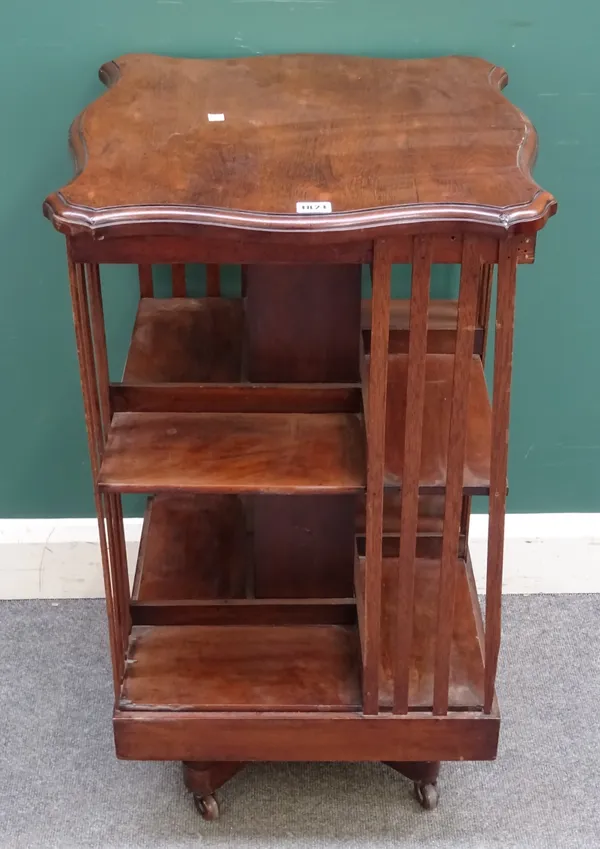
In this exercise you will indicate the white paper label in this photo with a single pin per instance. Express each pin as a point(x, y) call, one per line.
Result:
point(216, 116)
point(313, 207)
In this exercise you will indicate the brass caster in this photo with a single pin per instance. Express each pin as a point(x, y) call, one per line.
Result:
point(207, 807)
point(427, 795)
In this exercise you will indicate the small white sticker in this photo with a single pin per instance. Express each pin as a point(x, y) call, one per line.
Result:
point(216, 116)
point(313, 207)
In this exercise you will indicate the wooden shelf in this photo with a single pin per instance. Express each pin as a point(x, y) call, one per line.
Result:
point(229, 453)
point(436, 420)
point(198, 565)
point(304, 668)
point(430, 518)
point(186, 340)
point(200, 340)
point(192, 547)
point(466, 665)
point(301, 667)
point(441, 322)
point(186, 355)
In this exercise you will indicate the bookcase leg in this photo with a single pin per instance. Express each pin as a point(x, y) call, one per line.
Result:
point(202, 779)
point(424, 775)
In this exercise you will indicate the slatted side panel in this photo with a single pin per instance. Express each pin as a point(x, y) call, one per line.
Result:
point(111, 506)
point(91, 349)
point(467, 308)
point(503, 352)
point(409, 502)
point(371, 631)
point(111, 503)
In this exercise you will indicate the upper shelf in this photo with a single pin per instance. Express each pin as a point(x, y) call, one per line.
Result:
point(275, 453)
point(239, 142)
point(186, 340)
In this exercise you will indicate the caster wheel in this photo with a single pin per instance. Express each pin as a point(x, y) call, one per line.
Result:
point(207, 807)
point(427, 796)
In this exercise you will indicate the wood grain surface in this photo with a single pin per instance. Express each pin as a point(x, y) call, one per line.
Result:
point(228, 452)
point(385, 141)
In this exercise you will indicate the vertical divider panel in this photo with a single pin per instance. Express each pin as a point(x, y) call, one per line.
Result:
point(213, 281)
point(465, 333)
point(178, 280)
point(91, 409)
point(146, 284)
point(503, 352)
point(375, 427)
point(409, 506)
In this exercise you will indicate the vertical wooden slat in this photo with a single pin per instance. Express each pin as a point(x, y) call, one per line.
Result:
point(483, 305)
point(364, 376)
point(94, 287)
point(213, 281)
point(409, 502)
point(178, 280)
point(117, 551)
point(97, 345)
point(467, 305)
point(90, 364)
point(381, 275)
point(77, 287)
point(483, 320)
point(146, 284)
point(503, 352)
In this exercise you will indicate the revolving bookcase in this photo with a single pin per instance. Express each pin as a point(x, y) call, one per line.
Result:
point(310, 448)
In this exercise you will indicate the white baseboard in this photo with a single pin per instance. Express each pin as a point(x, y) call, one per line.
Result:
point(60, 558)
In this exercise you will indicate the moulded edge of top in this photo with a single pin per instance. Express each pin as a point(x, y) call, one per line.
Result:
point(72, 219)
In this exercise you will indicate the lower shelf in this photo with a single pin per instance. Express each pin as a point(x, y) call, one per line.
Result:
point(303, 666)
point(186, 668)
point(193, 547)
point(466, 663)
point(196, 548)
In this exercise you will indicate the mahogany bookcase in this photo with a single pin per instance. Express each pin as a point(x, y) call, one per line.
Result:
point(303, 587)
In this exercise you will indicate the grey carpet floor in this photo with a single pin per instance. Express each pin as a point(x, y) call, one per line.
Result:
point(61, 786)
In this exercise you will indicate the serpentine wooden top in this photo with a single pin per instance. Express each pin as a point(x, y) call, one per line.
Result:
point(240, 142)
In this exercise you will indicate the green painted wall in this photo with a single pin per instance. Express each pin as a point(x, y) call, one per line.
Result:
point(49, 53)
